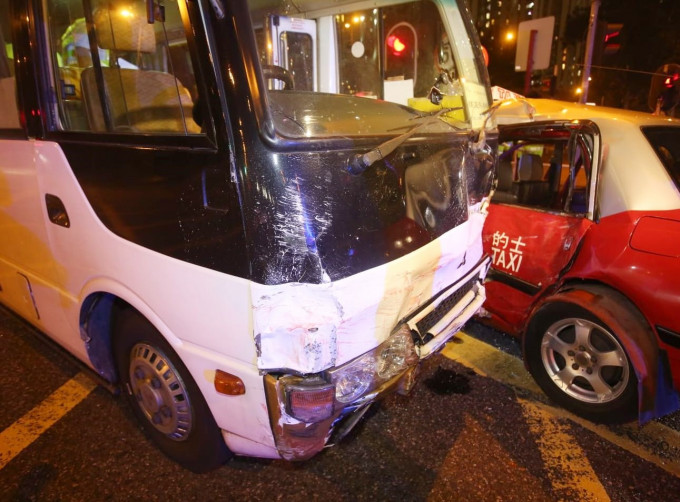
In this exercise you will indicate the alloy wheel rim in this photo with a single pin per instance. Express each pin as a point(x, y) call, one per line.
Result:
point(585, 360)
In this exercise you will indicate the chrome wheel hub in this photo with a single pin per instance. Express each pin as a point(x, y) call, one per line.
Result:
point(160, 392)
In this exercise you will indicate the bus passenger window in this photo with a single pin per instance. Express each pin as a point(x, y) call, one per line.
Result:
point(9, 118)
point(148, 83)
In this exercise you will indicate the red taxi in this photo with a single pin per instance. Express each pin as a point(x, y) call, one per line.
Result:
point(584, 233)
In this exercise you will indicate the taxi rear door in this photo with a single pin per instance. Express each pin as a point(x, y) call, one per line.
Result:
point(543, 206)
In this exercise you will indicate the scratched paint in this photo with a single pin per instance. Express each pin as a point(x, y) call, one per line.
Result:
point(312, 327)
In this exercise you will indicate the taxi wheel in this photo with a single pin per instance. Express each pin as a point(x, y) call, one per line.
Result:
point(164, 397)
point(580, 363)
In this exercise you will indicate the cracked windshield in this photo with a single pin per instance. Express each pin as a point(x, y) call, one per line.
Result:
point(336, 71)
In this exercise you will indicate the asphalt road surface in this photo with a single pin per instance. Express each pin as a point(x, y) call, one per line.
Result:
point(475, 428)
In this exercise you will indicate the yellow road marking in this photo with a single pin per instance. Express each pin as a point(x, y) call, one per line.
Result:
point(489, 361)
point(28, 428)
point(567, 466)
point(651, 433)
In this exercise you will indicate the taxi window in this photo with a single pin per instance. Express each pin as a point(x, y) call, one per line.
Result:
point(666, 144)
point(549, 169)
point(116, 72)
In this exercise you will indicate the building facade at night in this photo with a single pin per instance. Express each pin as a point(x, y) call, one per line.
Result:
point(497, 23)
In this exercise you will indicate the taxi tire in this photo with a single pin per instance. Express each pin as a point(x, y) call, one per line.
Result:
point(559, 315)
point(203, 448)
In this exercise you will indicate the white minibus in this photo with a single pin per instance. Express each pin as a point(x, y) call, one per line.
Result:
point(253, 217)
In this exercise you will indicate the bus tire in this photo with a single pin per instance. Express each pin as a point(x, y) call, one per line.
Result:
point(164, 397)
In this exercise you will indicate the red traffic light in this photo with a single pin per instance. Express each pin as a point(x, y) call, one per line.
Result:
point(671, 80)
point(396, 45)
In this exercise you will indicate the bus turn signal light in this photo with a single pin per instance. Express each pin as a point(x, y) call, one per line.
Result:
point(226, 383)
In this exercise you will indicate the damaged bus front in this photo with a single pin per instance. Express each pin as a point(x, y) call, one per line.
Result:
point(364, 202)
point(255, 217)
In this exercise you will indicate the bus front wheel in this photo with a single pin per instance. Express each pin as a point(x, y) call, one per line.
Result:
point(164, 397)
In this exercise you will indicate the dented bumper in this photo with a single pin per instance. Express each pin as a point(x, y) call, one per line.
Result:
point(306, 409)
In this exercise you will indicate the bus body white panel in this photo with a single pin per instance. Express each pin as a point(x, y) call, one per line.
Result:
point(287, 337)
point(302, 327)
point(31, 278)
point(217, 334)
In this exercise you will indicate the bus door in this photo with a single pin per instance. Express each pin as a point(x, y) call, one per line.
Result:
point(25, 259)
point(294, 48)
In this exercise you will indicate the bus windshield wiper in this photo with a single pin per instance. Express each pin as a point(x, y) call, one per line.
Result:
point(359, 162)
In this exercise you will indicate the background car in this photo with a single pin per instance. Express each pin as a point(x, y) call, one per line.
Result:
point(584, 234)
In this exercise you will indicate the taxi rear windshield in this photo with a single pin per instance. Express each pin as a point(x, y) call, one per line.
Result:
point(367, 67)
point(666, 144)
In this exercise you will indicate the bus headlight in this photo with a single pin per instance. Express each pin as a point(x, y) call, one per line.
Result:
point(367, 372)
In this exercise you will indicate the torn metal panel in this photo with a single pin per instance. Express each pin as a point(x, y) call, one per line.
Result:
point(295, 327)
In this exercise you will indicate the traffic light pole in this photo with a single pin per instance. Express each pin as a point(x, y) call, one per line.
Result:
point(530, 61)
point(590, 44)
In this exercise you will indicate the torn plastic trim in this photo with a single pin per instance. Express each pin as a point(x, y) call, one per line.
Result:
point(296, 328)
point(392, 365)
point(456, 304)
point(514, 110)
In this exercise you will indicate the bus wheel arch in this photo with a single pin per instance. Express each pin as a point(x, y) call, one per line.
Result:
point(163, 395)
point(126, 348)
point(96, 320)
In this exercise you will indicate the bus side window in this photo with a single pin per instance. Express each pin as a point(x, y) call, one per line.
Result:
point(138, 79)
point(9, 117)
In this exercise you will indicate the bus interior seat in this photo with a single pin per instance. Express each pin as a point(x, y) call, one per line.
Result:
point(9, 113)
point(505, 190)
point(139, 100)
point(9, 117)
point(532, 188)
